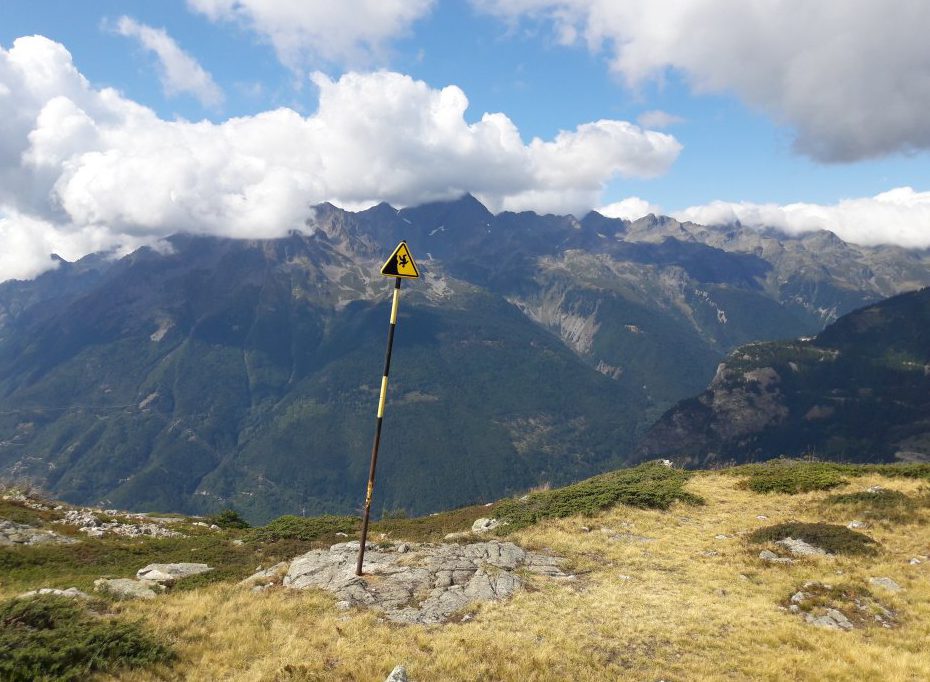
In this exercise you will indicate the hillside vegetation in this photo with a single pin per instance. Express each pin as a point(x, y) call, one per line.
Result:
point(669, 584)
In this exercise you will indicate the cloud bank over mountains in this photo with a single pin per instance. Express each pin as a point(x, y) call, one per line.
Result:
point(900, 216)
point(849, 76)
point(85, 168)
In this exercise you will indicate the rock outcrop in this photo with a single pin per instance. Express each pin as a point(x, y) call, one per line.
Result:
point(413, 583)
point(21, 534)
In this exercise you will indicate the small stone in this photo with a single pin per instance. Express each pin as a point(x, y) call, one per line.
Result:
point(71, 592)
point(799, 547)
point(403, 548)
point(399, 674)
point(798, 597)
point(874, 489)
point(794, 608)
point(856, 525)
point(914, 561)
point(721, 536)
point(585, 529)
point(710, 553)
point(773, 558)
point(832, 620)
point(340, 534)
point(168, 574)
point(886, 584)
point(762, 517)
point(124, 588)
point(484, 525)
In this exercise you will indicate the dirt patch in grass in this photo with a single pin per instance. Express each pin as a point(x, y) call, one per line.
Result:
point(829, 537)
point(56, 638)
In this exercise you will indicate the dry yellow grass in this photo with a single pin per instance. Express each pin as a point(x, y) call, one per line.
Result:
point(644, 611)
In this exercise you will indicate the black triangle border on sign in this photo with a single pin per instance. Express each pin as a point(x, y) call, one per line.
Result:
point(389, 269)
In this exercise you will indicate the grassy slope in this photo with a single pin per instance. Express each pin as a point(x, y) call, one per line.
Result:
point(656, 610)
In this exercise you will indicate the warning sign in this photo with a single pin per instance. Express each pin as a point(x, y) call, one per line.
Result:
point(400, 264)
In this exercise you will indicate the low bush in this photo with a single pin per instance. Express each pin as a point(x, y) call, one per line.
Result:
point(883, 505)
point(832, 538)
point(648, 486)
point(56, 638)
point(304, 528)
point(228, 518)
point(790, 477)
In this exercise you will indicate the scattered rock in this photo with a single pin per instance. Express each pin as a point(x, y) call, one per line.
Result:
point(772, 558)
point(856, 525)
point(399, 674)
point(721, 536)
point(265, 578)
point(71, 592)
point(831, 619)
point(875, 489)
point(710, 553)
point(885, 584)
point(844, 607)
point(427, 584)
point(800, 548)
point(124, 588)
point(484, 525)
point(88, 522)
point(168, 574)
point(22, 534)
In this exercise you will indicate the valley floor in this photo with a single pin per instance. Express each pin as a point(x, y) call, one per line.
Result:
point(659, 595)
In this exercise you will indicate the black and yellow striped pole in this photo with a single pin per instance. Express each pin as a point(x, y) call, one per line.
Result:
point(398, 266)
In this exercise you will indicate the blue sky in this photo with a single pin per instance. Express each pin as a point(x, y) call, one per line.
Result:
point(765, 111)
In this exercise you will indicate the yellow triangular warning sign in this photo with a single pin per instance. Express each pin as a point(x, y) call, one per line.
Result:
point(400, 264)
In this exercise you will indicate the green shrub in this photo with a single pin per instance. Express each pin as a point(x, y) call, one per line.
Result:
point(885, 505)
point(832, 538)
point(648, 486)
point(789, 477)
point(55, 638)
point(228, 518)
point(304, 528)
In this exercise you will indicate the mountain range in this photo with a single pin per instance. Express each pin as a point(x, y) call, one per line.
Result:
point(859, 391)
point(211, 372)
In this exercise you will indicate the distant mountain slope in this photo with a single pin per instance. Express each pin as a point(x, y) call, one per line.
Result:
point(859, 391)
point(534, 349)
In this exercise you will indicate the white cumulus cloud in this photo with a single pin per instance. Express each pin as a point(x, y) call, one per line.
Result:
point(631, 208)
point(850, 76)
point(307, 31)
point(900, 216)
point(179, 72)
point(91, 166)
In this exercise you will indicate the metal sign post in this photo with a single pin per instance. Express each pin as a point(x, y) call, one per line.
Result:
point(398, 266)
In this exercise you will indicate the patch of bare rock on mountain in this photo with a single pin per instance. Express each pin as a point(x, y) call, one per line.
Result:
point(413, 583)
point(21, 534)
